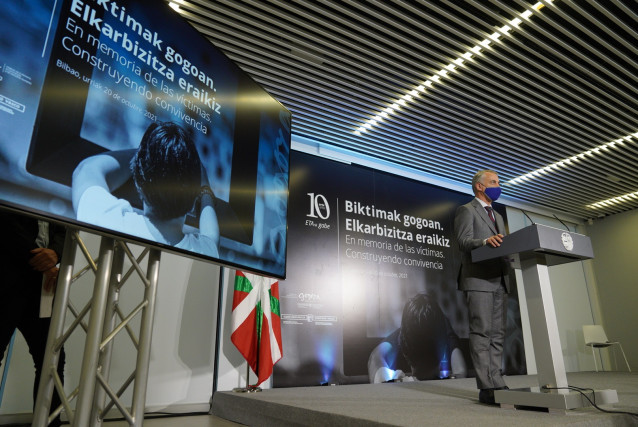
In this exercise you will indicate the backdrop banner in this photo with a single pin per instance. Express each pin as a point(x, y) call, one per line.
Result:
point(362, 244)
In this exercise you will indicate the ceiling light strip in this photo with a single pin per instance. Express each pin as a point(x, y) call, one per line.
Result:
point(569, 188)
point(452, 115)
point(566, 162)
point(578, 123)
point(595, 92)
point(262, 53)
point(405, 152)
point(399, 141)
point(273, 85)
point(579, 52)
point(547, 126)
point(467, 122)
point(574, 200)
point(422, 27)
point(601, 83)
point(442, 73)
point(419, 163)
point(629, 198)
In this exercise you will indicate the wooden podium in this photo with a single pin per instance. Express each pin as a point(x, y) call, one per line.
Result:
point(534, 249)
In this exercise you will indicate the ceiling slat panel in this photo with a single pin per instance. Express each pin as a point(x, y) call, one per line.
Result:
point(564, 81)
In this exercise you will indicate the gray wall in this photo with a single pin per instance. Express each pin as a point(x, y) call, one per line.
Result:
point(615, 240)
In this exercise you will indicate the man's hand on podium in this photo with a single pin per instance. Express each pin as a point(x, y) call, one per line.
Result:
point(494, 241)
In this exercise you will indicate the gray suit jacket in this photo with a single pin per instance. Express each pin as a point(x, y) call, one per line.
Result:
point(472, 225)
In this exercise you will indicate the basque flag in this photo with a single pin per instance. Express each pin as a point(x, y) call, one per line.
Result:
point(256, 322)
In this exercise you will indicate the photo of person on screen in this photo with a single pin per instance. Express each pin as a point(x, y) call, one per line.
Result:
point(170, 180)
point(425, 347)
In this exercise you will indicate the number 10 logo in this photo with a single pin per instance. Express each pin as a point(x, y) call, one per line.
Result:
point(319, 207)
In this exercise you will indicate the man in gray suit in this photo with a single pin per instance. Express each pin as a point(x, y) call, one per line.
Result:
point(485, 284)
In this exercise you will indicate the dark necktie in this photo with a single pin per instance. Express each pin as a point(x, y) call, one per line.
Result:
point(490, 213)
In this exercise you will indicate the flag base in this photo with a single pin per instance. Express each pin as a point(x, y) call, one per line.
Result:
point(247, 389)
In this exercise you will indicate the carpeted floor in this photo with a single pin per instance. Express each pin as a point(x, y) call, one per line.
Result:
point(440, 403)
point(425, 403)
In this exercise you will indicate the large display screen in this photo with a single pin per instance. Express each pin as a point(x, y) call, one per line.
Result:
point(119, 117)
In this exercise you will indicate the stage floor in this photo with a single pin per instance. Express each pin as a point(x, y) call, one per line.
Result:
point(441, 403)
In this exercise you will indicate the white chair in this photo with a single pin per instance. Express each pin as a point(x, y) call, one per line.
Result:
point(595, 337)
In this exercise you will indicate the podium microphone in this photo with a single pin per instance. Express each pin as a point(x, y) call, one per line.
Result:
point(528, 217)
point(562, 222)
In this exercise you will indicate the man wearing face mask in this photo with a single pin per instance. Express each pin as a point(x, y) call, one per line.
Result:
point(484, 284)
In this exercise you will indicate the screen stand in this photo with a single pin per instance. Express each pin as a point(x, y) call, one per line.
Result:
point(104, 323)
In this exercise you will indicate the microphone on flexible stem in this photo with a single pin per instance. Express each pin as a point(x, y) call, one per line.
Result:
point(528, 217)
point(562, 222)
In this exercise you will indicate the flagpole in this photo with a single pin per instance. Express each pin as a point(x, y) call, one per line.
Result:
point(250, 388)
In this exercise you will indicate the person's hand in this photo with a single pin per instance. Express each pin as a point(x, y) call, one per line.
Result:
point(494, 241)
point(43, 259)
point(50, 278)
